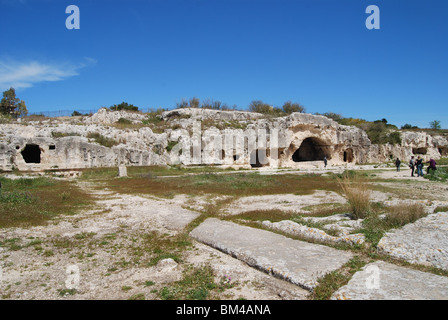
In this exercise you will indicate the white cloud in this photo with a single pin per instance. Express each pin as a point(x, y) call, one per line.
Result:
point(21, 75)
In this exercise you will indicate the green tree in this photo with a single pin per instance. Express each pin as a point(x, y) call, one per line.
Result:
point(290, 107)
point(124, 106)
point(435, 125)
point(260, 107)
point(11, 105)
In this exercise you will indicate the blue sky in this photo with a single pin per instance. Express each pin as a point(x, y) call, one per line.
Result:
point(154, 53)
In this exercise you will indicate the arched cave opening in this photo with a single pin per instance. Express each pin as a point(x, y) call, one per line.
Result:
point(31, 153)
point(311, 149)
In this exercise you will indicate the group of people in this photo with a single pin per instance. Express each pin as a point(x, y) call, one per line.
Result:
point(417, 164)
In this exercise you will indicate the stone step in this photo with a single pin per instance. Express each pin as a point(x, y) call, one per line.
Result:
point(299, 262)
point(385, 281)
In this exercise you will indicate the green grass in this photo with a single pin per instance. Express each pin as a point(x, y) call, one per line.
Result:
point(102, 140)
point(441, 174)
point(197, 283)
point(442, 162)
point(334, 280)
point(374, 227)
point(31, 202)
point(235, 184)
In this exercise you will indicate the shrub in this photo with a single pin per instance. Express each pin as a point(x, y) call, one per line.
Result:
point(408, 126)
point(123, 106)
point(289, 107)
point(5, 118)
point(102, 140)
point(260, 107)
point(56, 134)
point(124, 121)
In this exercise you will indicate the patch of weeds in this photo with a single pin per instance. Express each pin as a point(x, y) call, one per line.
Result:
point(12, 244)
point(56, 134)
point(334, 280)
point(126, 288)
point(440, 175)
point(357, 192)
point(195, 285)
point(163, 247)
point(441, 209)
point(34, 242)
point(32, 202)
point(67, 292)
point(238, 184)
point(138, 296)
point(102, 140)
point(169, 293)
point(402, 214)
point(328, 284)
point(84, 235)
point(373, 228)
point(17, 197)
point(48, 253)
point(149, 283)
point(326, 209)
point(64, 195)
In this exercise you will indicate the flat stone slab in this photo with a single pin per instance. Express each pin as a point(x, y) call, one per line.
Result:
point(296, 261)
point(308, 233)
point(423, 242)
point(385, 281)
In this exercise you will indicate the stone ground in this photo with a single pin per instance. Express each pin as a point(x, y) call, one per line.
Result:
point(100, 250)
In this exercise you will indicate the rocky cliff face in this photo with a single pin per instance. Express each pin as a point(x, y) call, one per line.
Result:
point(198, 136)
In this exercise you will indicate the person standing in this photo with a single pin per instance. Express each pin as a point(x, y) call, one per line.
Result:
point(325, 162)
point(412, 165)
point(432, 165)
point(419, 164)
point(397, 164)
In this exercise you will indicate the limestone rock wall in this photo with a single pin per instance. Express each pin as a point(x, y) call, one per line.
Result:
point(230, 138)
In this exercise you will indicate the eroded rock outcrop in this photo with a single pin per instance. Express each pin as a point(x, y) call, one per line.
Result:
point(198, 136)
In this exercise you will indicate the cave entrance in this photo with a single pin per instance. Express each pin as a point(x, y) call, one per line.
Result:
point(348, 155)
point(311, 149)
point(419, 150)
point(31, 153)
point(443, 151)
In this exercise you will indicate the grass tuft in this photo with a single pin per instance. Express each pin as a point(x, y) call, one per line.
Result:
point(402, 214)
point(358, 193)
